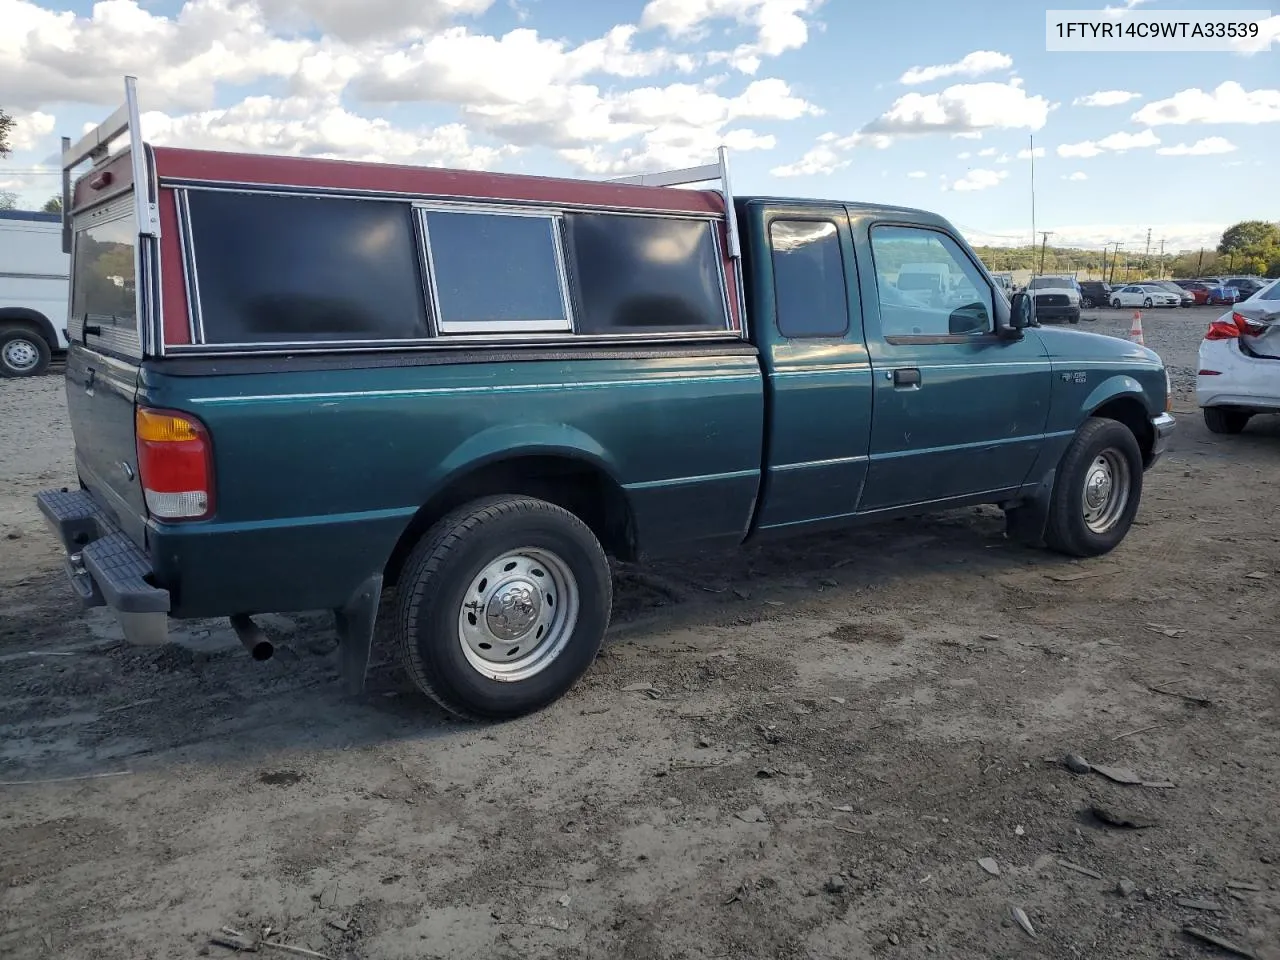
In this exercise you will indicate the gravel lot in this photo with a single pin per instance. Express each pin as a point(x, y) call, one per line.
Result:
point(795, 752)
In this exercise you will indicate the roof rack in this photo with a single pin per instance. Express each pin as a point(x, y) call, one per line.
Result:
point(686, 176)
point(96, 146)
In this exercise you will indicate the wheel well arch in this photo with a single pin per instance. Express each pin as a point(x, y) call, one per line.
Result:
point(26, 317)
point(1132, 412)
point(578, 485)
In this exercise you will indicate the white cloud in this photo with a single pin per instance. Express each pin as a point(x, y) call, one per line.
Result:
point(1201, 148)
point(971, 65)
point(458, 66)
point(1123, 140)
point(966, 155)
point(987, 152)
point(1084, 149)
point(30, 129)
point(1003, 158)
point(1117, 143)
point(1105, 98)
point(319, 128)
point(369, 18)
point(780, 25)
point(917, 175)
point(1268, 34)
point(47, 56)
point(979, 179)
point(1078, 175)
point(825, 157)
point(1027, 153)
point(1228, 103)
point(963, 108)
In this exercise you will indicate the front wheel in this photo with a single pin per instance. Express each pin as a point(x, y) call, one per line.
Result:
point(1226, 420)
point(1147, 303)
point(23, 353)
point(1116, 303)
point(1097, 490)
point(502, 606)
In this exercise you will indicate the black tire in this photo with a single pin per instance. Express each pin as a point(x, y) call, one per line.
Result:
point(1087, 303)
point(1226, 419)
point(17, 344)
point(1115, 303)
point(1074, 318)
point(1067, 531)
point(438, 575)
point(1147, 303)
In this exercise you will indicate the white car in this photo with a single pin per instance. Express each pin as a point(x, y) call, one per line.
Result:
point(1144, 295)
point(1240, 363)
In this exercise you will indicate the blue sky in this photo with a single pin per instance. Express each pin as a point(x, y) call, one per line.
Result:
point(927, 106)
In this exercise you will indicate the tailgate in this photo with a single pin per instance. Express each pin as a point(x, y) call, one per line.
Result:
point(102, 361)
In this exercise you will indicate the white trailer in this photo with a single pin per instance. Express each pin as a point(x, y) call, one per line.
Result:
point(34, 286)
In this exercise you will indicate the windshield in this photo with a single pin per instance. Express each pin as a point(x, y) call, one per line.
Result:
point(1049, 283)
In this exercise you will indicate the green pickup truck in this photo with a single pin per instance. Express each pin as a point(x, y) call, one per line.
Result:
point(299, 384)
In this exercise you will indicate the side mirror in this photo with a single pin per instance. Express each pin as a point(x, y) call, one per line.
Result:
point(1012, 319)
point(1021, 311)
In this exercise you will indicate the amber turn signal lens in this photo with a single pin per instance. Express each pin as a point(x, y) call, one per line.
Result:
point(161, 427)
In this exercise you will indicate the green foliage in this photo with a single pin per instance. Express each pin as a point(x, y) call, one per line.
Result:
point(52, 205)
point(7, 124)
point(1247, 234)
point(8, 200)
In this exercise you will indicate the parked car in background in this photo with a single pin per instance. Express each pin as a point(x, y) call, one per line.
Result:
point(1184, 296)
point(1239, 371)
point(33, 292)
point(1144, 295)
point(1220, 294)
point(1094, 293)
point(1056, 298)
point(1199, 291)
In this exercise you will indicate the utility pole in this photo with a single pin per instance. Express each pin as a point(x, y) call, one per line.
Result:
point(1033, 193)
point(1200, 263)
point(1146, 257)
point(1162, 258)
point(1044, 240)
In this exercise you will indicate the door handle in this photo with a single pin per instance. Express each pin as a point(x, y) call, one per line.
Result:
point(906, 377)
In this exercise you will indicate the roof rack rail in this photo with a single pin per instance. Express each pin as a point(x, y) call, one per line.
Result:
point(686, 176)
point(96, 146)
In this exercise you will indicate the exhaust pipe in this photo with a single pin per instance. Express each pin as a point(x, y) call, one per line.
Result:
point(251, 635)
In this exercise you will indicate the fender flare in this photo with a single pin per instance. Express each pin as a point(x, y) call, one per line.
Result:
point(28, 317)
point(513, 441)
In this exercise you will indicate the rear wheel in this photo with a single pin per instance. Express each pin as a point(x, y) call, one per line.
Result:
point(1226, 419)
point(23, 353)
point(503, 606)
point(1097, 490)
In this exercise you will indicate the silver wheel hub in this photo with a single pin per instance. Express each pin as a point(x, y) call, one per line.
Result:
point(518, 614)
point(513, 609)
point(21, 354)
point(1106, 491)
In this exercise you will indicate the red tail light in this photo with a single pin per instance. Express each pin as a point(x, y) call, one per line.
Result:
point(1235, 327)
point(175, 464)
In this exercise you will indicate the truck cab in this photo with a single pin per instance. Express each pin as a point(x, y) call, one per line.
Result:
point(444, 398)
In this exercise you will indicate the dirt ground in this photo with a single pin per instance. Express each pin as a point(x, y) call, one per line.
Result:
point(794, 752)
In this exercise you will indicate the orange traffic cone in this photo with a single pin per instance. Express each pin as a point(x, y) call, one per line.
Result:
point(1135, 328)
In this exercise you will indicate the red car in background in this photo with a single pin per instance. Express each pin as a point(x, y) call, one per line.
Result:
point(1211, 295)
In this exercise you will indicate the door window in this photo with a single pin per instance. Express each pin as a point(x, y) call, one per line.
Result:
point(808, 279)
point(927, 285)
